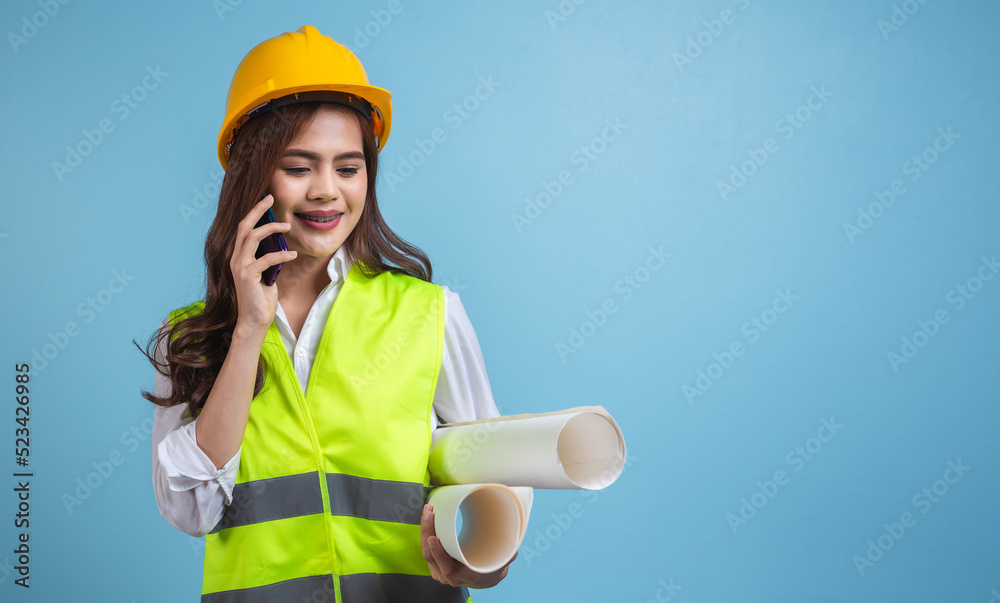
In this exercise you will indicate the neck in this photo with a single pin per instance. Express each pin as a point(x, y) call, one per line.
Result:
point(303, 277)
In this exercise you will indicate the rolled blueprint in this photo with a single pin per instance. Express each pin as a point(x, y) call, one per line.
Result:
point(579, 448)
point(494, 521)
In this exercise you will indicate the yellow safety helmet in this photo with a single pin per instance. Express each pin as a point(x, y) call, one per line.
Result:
point(301, 66)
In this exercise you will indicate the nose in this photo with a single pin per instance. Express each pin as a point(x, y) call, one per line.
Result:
point(323, 186)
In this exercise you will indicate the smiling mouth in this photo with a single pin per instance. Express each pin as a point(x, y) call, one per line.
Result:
point(319, 219)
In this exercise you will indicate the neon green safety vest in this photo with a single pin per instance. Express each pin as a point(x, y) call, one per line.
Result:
point(332, 484)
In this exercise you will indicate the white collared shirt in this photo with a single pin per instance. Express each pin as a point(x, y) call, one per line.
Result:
point(192, 494)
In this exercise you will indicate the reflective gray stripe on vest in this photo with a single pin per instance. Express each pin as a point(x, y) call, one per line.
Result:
point(381, 500)
point(296, 589)
point(398, 588)
point(272, 498)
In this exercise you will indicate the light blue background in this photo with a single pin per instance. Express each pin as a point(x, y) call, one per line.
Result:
point(655, 185)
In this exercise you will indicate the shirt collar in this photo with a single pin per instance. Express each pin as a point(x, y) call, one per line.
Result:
point(339, 265)
point(337, 269)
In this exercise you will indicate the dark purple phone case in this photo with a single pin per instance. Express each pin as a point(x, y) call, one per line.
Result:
point(270, 244)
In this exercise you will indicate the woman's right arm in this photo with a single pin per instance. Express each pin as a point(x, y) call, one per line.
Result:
point(223, 418)
point(218, 431)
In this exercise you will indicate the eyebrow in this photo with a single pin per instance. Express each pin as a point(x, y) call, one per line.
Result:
point(315, 156)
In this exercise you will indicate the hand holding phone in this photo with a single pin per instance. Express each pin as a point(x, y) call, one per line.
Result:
point(269, 244)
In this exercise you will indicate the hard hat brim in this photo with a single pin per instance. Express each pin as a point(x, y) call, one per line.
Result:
point(379, 98)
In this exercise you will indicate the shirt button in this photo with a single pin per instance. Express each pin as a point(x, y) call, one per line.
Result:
point(300, 352)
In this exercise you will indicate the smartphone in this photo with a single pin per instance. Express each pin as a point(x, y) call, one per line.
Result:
point(271, 243)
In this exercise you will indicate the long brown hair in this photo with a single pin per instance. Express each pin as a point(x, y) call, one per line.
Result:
point(197, 345)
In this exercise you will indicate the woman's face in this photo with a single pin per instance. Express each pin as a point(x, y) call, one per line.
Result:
point(321, 183)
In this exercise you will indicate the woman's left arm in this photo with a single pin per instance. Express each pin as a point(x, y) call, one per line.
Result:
point(463, 393)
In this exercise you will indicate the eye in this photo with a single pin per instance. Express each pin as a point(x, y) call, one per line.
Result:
point(297, 171)
point(348, 171)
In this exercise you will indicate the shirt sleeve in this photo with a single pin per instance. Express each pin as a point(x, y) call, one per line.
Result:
point(463, 390)
point(191, 493)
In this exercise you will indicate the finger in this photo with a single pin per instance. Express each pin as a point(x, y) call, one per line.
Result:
point(491, 579)
point(253, 242)
point(249, 221)
point(455, 573)
point(256, 212)
point(267, 260)
point(254, 215)
point(262, 232)
point(426, 531)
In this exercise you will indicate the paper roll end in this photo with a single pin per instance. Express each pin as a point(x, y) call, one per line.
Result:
point(592, 450)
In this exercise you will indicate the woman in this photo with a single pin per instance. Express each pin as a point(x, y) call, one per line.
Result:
point(293, 421)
